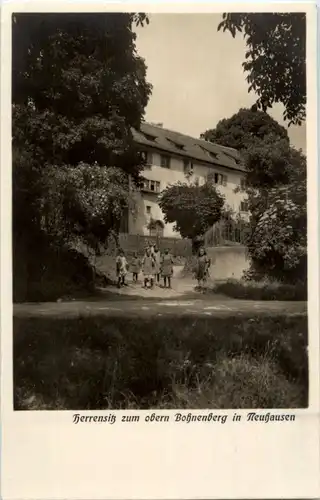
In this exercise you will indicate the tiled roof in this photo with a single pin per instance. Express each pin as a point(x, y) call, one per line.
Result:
point(189, 147)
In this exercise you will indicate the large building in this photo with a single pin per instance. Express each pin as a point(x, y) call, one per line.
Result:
point(173, 157)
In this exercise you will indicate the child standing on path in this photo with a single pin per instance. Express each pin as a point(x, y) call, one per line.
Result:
point(122, 268)
point(202, 267)
point(152, 248)
point(135, 267)
point(157, 259)
point(167, 268)
point(148, 268)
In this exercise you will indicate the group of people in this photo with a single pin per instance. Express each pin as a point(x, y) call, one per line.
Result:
point(156, 265)
point(153, 265)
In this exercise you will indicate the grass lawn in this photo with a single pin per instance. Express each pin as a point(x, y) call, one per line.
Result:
point(174, 362)
point(261, 290)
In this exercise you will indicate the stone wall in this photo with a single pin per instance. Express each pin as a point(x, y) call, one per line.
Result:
point(228, 262)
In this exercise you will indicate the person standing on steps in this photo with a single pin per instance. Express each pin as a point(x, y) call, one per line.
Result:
point(167, 268)
point(148, 268)
point(122, 268)
point(157, 259)
point(202, 268)
point(135, 267)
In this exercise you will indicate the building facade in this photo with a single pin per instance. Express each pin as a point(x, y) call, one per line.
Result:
point(172, 157)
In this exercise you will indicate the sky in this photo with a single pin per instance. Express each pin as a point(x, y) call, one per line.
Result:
point(196, 74)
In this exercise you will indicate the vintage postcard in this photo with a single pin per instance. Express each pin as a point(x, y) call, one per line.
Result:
point(159, 251)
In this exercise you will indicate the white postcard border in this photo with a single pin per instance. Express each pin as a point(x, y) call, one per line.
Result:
point(46, 456)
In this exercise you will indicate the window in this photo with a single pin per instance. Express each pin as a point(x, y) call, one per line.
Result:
point(155, 186)
point(147, 158)
point(165, 161)
point(124, 222)
point(151, 186)
point(187, 167)
point(220, 179)
point(243, 184)
point(244, 207)
point(148, 209)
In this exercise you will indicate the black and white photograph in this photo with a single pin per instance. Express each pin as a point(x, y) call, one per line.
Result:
point(159, 211)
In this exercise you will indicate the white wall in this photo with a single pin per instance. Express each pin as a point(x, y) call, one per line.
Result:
point(228, 262)
point(173, 175)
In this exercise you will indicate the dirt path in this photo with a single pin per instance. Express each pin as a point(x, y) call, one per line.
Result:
point(133, 300)
point(145, 307)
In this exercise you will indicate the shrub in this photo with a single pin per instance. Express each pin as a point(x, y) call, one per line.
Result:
point(54, 272)
point(262, 290)
point(277, 243)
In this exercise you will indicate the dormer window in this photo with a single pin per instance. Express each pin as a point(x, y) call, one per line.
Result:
point(176, 144)
point(213, 155)
point(209, 153)
point(232, 158)
point(149, 137)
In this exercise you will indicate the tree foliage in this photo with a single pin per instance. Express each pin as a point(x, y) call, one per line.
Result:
point(263, 143)
point(276, 191)
point(86, 201)
point(192, 208)
point(245, 127)
point(270, 164)
point(277, 243)
point(78, 88)
point(275, 60)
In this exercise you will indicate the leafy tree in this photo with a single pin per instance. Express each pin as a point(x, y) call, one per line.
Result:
point(277, 243)
point(193, 209)
point(243, 128)
point(276, 190)
point(263, 143)
point(78, 89)
point(275, 61)
point(269, 163)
